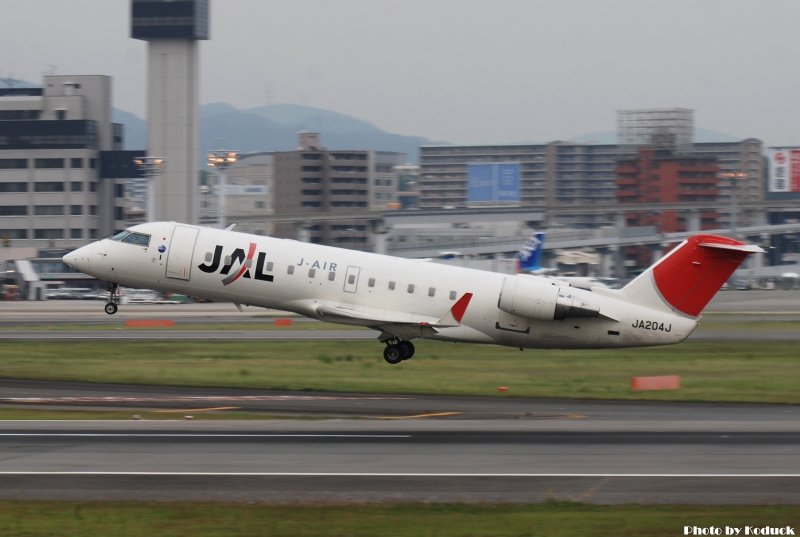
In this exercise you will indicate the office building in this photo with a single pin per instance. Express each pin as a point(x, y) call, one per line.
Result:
point(314, 179)
point(62, 168)
point(248, 198)
point(660, 176)
point(560, 174)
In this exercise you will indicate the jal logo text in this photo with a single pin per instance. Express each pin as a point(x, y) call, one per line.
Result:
point(239, 258)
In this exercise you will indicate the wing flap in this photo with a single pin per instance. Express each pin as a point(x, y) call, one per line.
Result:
point(396, 323)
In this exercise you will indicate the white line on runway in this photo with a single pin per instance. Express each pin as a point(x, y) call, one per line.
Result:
point(199, 435)
point(381, 474)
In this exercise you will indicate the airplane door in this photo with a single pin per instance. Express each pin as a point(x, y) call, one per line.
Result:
point(351, 279)
point(179, 259)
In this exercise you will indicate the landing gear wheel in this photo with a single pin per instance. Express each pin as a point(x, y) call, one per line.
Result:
point(113, 298)
point(393, 354)
point(406, 349)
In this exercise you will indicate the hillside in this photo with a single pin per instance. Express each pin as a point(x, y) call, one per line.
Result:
point(275, 128)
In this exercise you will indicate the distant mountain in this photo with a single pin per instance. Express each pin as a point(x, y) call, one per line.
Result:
point(8, 82)
point(275, 128)
point(135, 128)
point(313, 119)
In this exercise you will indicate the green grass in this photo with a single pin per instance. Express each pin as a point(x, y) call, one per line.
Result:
point(553, 519)
point(763, 371)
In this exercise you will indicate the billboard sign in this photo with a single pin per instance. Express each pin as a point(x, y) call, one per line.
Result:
point(784, 169)
point(493, 182)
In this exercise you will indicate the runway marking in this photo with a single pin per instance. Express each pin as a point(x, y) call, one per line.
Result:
point(199, 435)
point(171, 411)
point(418, 416)
point(198, 398)
point(386, 474)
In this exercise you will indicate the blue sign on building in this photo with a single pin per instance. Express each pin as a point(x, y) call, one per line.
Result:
point(493, 182)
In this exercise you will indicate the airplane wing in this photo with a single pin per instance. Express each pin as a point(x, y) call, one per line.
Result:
point(397, 324)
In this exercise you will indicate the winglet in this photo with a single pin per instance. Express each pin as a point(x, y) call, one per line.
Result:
point(456, 313)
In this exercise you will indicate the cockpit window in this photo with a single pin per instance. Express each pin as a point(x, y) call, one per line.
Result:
point(132, 237)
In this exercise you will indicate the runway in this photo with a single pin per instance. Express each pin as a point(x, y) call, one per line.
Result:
point(362, 447)
point(324, 447)
point(450, 462)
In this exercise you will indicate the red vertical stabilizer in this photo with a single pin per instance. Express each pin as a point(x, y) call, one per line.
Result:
point(690, 276)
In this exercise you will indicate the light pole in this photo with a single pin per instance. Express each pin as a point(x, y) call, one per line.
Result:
point(221, 160)
point(150, 167)
point(734, 193)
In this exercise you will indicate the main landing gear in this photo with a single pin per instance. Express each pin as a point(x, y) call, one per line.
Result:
point(113, 299)
point(398, 350)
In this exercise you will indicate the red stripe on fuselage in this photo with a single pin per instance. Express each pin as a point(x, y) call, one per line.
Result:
point(250, 253)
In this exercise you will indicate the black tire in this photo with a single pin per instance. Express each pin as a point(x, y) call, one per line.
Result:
point(111, 308)
point(393, 354)
point(406, 349)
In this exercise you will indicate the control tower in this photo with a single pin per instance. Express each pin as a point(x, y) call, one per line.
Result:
point(172, 29)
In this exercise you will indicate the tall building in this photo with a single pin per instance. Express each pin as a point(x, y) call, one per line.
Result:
point(662, 128)
point(315, 179)
point(62, 168)
point(172, 29)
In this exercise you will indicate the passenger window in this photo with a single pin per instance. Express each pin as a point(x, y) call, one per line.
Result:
point(452, 295)
point(431, 291)
point(270, 266)
point(351, 279)
point(391, 286)
point(290, 269)
point(410, 287)
point(331, 276)
point(371, 282)
point(312, 272)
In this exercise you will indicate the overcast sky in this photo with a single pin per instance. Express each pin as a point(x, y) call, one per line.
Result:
point(464, 71)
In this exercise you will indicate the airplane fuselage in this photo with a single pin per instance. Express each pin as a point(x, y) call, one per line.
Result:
point(323, 282)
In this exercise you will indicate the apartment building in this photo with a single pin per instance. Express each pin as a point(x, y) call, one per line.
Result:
point(560, 174)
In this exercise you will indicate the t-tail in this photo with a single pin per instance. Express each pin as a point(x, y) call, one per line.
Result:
point(529, 258)
point(686, 279)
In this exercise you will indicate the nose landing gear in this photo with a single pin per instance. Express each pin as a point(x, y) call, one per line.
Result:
point(398, 350)
point(113, 299)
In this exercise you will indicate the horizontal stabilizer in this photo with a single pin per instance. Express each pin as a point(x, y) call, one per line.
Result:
point(746, 248)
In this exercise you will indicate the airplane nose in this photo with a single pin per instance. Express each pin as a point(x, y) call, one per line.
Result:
point(77, 260)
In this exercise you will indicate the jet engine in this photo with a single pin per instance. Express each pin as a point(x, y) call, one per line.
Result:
point(542, 300)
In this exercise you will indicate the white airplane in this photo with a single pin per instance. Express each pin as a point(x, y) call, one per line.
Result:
point(405, 299)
